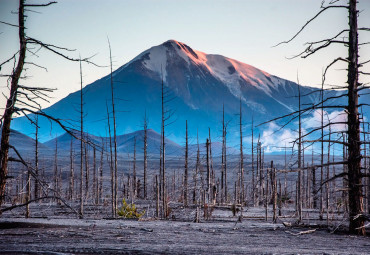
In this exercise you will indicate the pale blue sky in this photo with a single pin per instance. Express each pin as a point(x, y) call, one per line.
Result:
point(243, 30)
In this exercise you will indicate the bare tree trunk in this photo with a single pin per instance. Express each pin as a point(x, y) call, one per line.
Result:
point(253, 177)
point(368, 172)
point(87, 171)
point(36, 187)
point(208, 174)
point(327, 187)
point(345, 181)
point(242, 199)
point(223, 156)
point(134, 186)
point(355, 197)
point(164, 196)
point(225, 165)
point(157, 196)
point(266, 194)
point(100, 193)
point(111, 168)
point(145, 155)
point(197, 165)
point(81, 148)
point(71, 171)
point(95, 183)
point(322, 154)
point(299, 158)
point(114, 133)
point(274, 196)
point(314, 192)
point(56, 169)
point(186, 168)
point(28, 195)
point(10, 104)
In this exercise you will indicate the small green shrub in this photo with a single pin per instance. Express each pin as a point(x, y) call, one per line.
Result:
point(129, 211)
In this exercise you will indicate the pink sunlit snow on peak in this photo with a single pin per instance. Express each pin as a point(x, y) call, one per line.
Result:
point(231, 72)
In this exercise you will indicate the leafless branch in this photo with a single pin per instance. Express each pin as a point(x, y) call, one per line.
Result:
point(309, 21)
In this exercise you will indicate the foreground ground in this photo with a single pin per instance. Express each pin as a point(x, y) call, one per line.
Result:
point(220, 235)
point(55, 229)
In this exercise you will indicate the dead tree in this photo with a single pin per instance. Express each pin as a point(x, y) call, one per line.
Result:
point(224, 191)
point(145, 155)
point(165, 117)
point(208, 173)
point(274, 194)
point(353, 87)
point(322, 153)
point(28, 195)
point(100, 185)
point(95, 183)
point(114, 132)
point(87, 170)
point(186, 167)
point(196, 172)
point(134, 171)
point(242, 193)
point(253, 174)
point(299, 191)
point(36, 185)
point(223, 165)
point(55, 177)
point(111, 165)
point(81, 146)
point(19, 100)
point(71, 172)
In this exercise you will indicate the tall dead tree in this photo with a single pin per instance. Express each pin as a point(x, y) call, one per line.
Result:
point(196, 172)
point(242, 194)
point(36, 184)
point(208, 179)
point(163, 151)
point(100, 185)
point(224, 157)
point(87, 168)
point(165, 117)
point(111, 165)
point(186, 167)
point(12, 99)
point(81, 145)
point(71, 172)
point(95, 183)
point(299, 191)
point(23, 99)
point(134, 184)
point(322, 153)
point(253, 174)
point(145, 155)
point(353, 87)
point(355, 195)
point(114, 131)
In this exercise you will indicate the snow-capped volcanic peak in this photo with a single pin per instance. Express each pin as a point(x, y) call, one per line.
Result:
point(229, 71)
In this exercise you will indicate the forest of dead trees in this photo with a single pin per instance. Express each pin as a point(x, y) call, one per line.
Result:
point(321, 169)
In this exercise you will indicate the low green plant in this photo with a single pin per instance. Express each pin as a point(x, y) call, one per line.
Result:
point(129, 211)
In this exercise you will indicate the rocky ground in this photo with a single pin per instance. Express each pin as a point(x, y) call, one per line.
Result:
point(221, 234)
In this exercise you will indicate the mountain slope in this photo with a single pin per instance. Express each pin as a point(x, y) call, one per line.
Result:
point(25, 145)
point(198, 84)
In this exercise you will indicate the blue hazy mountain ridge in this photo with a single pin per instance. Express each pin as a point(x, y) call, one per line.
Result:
point(25, 145)
point(125, 143)
point(197, 85)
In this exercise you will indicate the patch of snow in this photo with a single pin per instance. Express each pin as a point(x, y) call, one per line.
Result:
point(227, 70)
point(157, 61)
